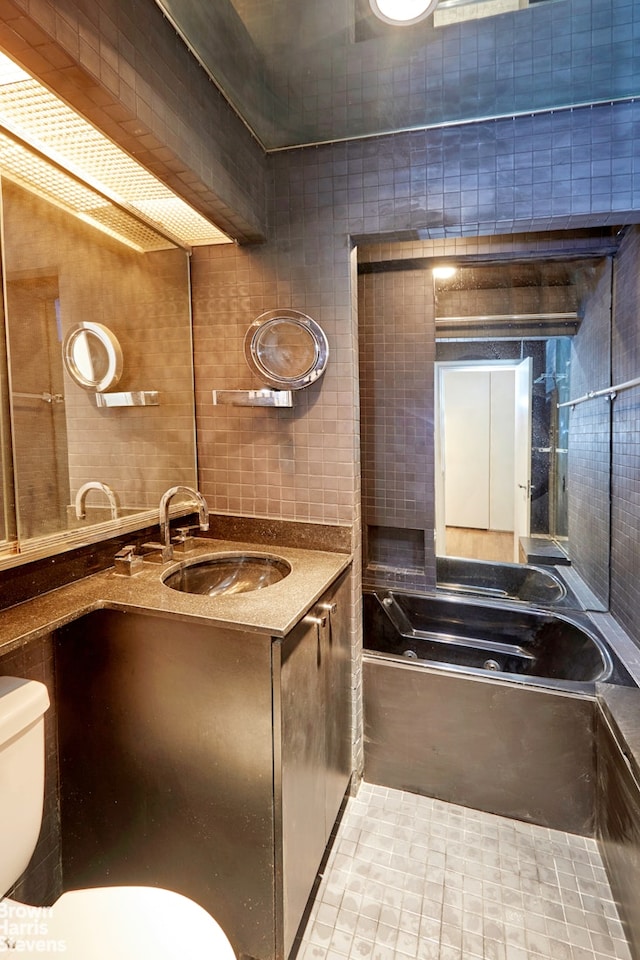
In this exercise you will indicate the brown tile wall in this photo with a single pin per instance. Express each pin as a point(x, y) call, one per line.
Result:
point(299, 463)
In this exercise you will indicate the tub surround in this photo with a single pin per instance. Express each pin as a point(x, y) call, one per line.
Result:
point(618, 800)
point(464, 740)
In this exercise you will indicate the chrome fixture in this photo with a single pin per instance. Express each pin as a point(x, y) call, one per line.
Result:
point(92, 356)
point(81, 498)
point(127, 561)
point(46, 396)
point(163, 514)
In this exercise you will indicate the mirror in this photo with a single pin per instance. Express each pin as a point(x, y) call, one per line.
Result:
point(61, 447)
point(514, 341)
point(286, 349)
point(92, 356)
point(517, 336)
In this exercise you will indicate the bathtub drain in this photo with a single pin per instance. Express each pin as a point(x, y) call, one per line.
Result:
point(491, 665)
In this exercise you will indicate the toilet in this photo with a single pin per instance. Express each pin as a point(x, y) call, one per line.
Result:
point(131, 923)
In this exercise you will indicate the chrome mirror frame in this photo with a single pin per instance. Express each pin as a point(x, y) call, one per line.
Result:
point(257, 354)
point(75, 343)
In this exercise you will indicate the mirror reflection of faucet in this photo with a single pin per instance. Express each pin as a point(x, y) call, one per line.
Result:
point(81, 498)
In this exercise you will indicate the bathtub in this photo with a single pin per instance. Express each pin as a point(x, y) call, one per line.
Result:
point(506, 581)
point(548, 647)
point(488, 705)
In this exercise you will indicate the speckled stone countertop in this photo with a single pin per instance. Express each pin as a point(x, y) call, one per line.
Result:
point(273, 610)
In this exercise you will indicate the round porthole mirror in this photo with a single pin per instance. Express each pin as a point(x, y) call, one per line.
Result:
point(286, 349)
point(92, 356)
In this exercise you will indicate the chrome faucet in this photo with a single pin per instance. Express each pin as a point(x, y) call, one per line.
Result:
point(163, 513)
point(81, 498)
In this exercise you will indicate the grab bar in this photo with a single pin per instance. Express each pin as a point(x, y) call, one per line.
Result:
point(395, 614)
point(610, 392)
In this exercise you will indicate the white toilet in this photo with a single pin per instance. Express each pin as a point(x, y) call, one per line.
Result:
point(130, 923)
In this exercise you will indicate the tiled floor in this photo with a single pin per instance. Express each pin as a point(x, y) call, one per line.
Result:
point(411, 877)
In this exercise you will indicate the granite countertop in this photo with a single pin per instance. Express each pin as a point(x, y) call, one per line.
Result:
point(272, 611)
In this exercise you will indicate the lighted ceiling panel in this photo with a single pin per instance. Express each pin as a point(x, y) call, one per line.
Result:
point(99, 170)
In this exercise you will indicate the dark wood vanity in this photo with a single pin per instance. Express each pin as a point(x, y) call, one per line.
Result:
point(206, 759)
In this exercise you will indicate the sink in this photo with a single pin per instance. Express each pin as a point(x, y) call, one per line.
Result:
point(235, 573)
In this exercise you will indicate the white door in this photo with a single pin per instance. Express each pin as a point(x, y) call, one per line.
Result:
point(483, 448)
point(466, 421)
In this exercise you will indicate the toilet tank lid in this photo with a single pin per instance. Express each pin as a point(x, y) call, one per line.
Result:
point(22, 702)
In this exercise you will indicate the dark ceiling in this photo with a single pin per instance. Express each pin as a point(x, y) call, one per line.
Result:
point(311, 71)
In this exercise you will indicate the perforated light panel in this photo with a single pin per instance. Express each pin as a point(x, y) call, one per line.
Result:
point(29, 113)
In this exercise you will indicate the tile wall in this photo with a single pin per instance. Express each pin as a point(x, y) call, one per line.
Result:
point(625, 485)
point(589, 445)
point(397, 351)
point(523, 174)
point(334, 71)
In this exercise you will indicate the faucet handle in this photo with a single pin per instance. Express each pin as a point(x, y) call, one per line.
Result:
point(127, 551)
point(127, 561)
point(184, 532)
point(157, 553)
point(184, 541)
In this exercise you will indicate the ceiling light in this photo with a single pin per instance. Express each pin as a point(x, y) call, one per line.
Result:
point(444, 273)
point(87, 173)
point(403, 11)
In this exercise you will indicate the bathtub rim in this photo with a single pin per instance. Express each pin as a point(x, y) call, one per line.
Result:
point(571, 598)
point(545, 571)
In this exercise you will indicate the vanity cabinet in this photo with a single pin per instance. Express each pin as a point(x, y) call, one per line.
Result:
point(208, 760)
point(315, 765)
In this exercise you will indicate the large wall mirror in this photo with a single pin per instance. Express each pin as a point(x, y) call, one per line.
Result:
point(468, 432)
point(74, 469)
point(514, 342)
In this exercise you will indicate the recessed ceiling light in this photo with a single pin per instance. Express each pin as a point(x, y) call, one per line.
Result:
point(403, 12)
point(444, 273)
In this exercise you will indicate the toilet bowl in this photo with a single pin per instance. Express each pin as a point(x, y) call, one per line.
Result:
point(130, 923)
point(101, 923)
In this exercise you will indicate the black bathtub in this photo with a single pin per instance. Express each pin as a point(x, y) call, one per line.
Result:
point(486, 705)
point(503, 581)
point(513, 643)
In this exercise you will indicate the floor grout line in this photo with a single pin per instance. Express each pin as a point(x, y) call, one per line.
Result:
point(413, 878)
